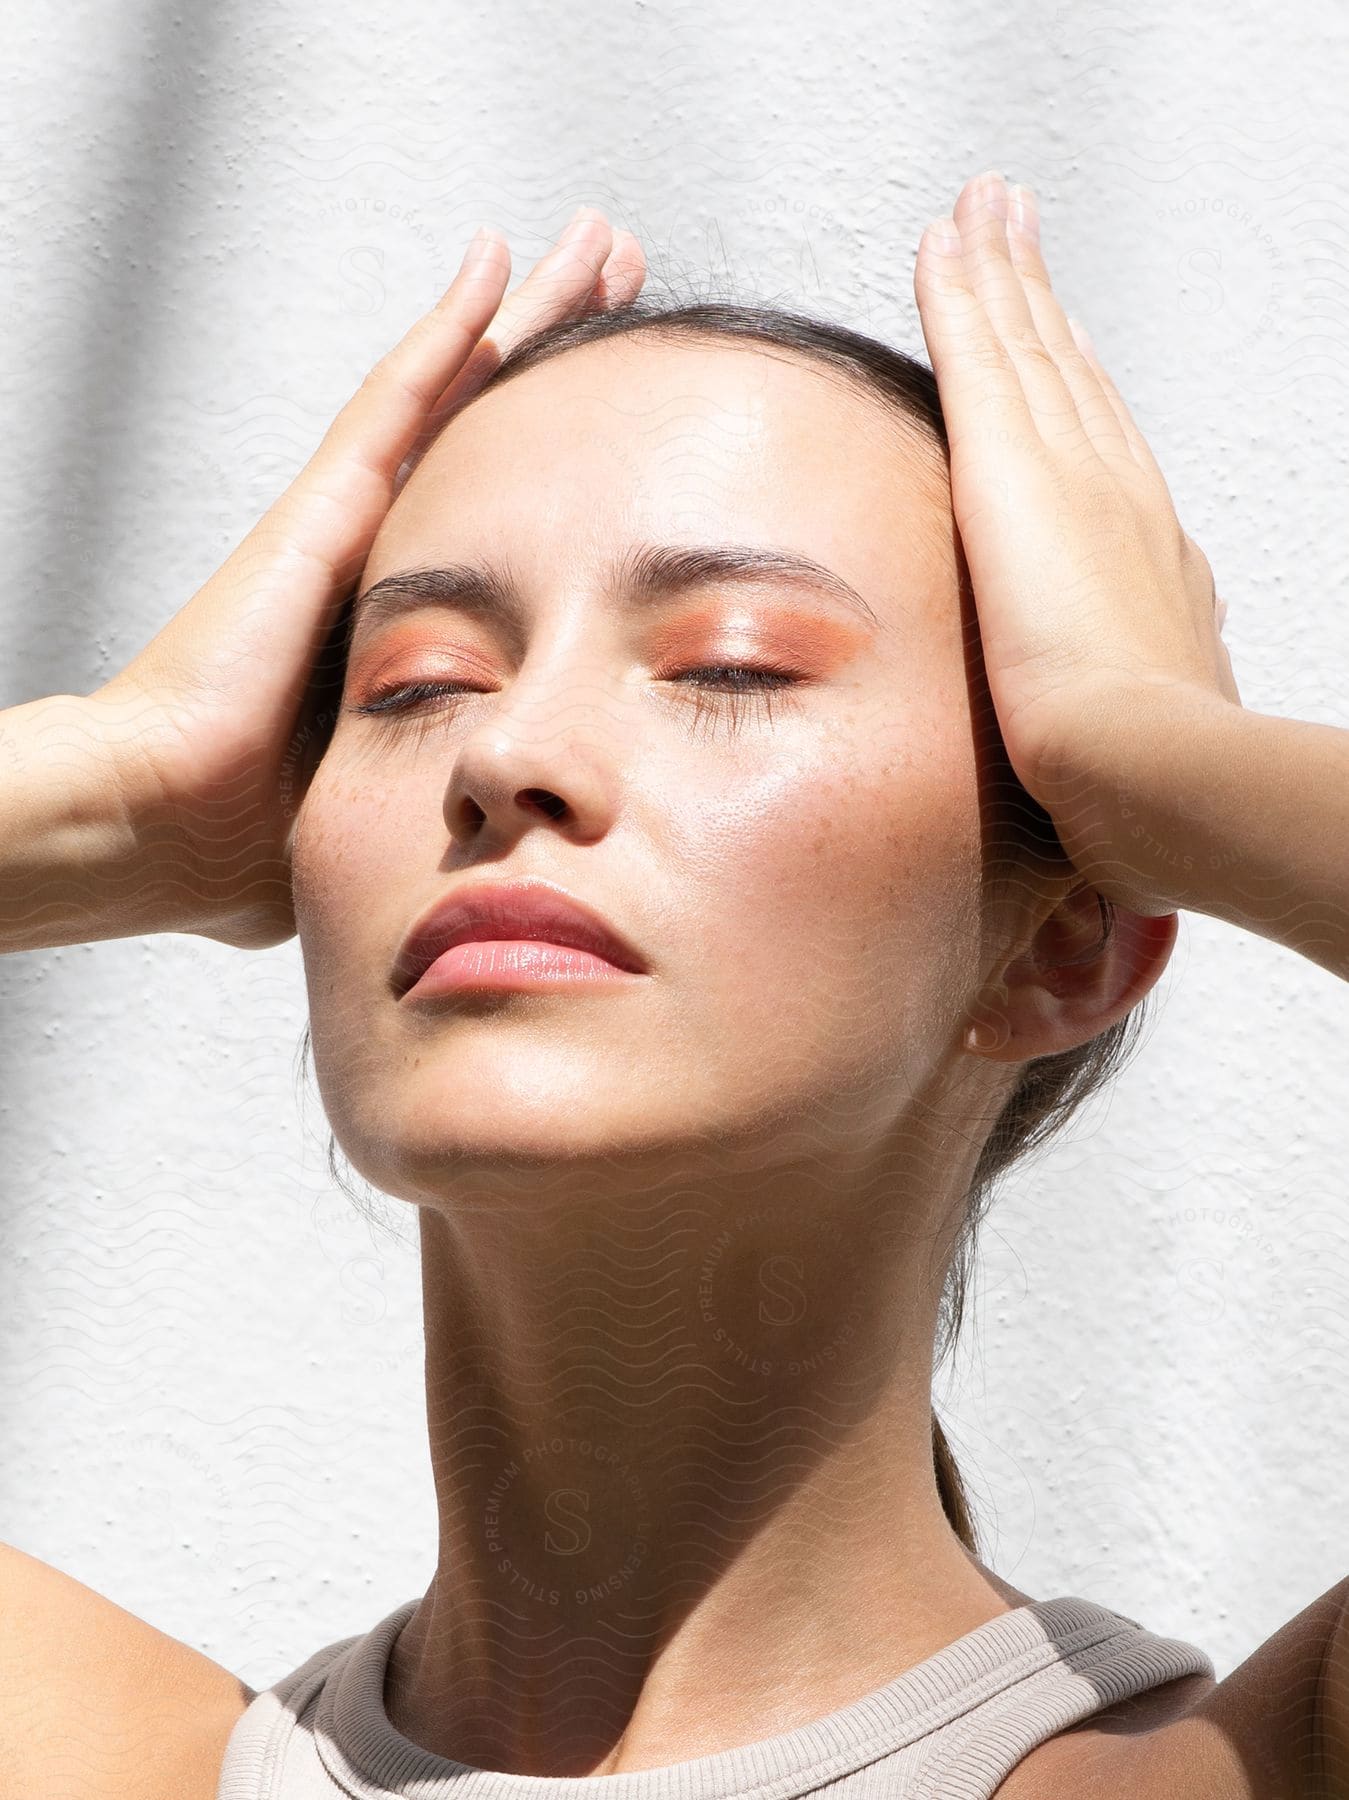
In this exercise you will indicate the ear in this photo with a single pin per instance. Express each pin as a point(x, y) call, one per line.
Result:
point(1073, 980)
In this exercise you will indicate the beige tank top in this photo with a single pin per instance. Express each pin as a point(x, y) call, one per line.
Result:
point(951, 1728)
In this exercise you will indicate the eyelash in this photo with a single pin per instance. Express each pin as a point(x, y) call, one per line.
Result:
point(414, 697)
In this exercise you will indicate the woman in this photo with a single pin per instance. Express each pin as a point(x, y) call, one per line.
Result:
point(701, 886)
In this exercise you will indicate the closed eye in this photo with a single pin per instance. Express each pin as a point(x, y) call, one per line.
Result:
point(744, 685)
point(756, 677)
point(736, 682)
point(411, 694)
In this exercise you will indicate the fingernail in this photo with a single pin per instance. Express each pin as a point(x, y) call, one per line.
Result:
point(1024, 211)
point(480, 239)
point(579, 220)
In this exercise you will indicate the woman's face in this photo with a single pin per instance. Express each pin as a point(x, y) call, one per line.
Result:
point(799, 869)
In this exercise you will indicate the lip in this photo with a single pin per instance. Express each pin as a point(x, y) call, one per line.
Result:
point(527, 908)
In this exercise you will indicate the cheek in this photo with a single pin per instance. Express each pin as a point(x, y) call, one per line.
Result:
point(813, 892)
point(344, 850)
point(841, 886)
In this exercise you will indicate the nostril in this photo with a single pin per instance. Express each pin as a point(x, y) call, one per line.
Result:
point(546, 802)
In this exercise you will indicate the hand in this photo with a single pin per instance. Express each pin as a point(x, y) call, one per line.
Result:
point(207, 719)
point(1097, 613)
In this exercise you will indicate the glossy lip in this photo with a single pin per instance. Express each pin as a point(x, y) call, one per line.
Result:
point(524, 908)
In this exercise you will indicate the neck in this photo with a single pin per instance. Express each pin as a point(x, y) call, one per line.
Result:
point(681, 1442)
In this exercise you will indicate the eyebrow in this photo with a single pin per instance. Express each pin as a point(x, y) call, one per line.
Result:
point(645, 574)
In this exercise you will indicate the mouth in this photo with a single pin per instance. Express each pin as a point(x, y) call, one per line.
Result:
point(512, 934)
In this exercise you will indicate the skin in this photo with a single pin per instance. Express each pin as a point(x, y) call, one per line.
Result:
point(688, 1234)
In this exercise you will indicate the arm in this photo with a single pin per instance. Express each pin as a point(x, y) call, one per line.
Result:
point(74, 868)
point(1257, 833)
point(97, 1702)
point(1268, 834)
point(1331, 1739)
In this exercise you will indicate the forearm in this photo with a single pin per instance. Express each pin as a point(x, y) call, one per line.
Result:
point(1258, 831)
point(74, 866)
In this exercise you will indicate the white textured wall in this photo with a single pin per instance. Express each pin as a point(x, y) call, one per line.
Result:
point(214, 219)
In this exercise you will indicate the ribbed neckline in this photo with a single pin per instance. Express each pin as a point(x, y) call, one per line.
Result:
point(361, 1749)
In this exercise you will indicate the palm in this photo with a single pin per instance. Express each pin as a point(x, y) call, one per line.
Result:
point(220, 714)
point(1097, 613)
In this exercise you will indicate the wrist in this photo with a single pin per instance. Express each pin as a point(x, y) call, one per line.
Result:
point(1136, 812)
point(73, 867)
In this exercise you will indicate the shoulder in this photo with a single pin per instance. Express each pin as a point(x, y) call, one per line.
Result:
point(98, 1704)
point(1264, 1725)
point(1265, 1732)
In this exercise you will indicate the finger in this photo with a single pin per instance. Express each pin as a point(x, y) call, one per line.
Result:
point(560, 283)
point(1099, 402)
point(1138, 444)
point(330, 510)
point(980, 392)
point(564, 282)
point(1097, 415)
point(980, 212)
point(379, 424)
point(622, 276)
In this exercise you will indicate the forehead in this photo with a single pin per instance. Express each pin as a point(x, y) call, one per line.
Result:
point(638, 437)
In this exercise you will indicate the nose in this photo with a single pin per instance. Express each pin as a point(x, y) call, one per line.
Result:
point(543, 753)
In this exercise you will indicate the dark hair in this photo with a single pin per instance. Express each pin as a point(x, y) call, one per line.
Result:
point(1050, 1089)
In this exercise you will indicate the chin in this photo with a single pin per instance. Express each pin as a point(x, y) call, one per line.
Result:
point(501, 1146)
point(568, 1108)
